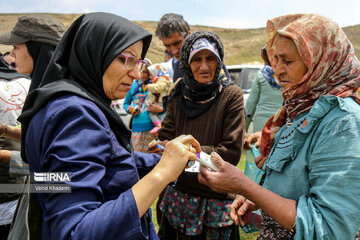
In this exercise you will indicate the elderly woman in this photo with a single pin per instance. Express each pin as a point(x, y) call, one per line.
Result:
point(207, 105)
point(68, 126)
point(310, 148)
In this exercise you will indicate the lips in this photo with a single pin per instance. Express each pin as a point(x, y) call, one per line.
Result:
point(204, 74)
point(126, 85)
point(282, 81)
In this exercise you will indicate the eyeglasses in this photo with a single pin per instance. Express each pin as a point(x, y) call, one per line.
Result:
point(131, 62)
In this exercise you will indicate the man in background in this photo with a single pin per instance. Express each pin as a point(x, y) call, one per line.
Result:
point(172, 30)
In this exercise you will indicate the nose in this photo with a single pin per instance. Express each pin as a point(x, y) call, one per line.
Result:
point(204, 65)
point(12, 54)
point(135, 72)
point(174, 50)
point(279, 69)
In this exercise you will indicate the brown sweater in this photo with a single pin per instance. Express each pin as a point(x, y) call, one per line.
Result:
point(219, 129)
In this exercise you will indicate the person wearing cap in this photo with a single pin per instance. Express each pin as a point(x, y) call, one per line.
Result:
point(209, 106)
point(34, 38)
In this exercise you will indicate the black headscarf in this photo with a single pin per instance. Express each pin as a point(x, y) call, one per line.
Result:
point(41, 54)
point(7, 72)
point(78, 64)
point(196, 98)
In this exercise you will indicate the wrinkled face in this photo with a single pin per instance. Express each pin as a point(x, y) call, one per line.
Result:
point(173, 44)
point(117, 79)
point(290, 68)
point(24, 63)
point(203, 66)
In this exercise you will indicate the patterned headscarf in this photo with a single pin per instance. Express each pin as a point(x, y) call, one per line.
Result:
point(333, 68)
point(196, 98)
point(270, 76)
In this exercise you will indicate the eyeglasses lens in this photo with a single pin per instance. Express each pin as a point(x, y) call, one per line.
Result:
point(130, 62)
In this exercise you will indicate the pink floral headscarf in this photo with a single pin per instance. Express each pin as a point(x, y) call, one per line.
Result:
point(333, 68)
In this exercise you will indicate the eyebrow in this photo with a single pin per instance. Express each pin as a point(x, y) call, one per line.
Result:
point(280, 55)
point(172, 44)
point(129, 52)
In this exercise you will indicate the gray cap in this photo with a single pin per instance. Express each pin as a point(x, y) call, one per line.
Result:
point(37, 28)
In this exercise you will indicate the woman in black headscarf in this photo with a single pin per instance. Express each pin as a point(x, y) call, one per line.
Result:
point(68, 126)
point(207, 105)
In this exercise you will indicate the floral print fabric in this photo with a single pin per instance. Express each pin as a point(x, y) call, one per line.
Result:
point(270, 229)
point(192, 214)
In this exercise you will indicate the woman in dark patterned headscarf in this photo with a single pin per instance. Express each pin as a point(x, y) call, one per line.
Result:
point(310, 149)
point(207, 105)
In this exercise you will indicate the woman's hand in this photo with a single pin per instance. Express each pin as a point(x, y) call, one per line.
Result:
point(176, 155)
point(226, 180)
point(153, 147)
point(239, 208)
point(252, 138)
point(259, 161)
point(155, 108)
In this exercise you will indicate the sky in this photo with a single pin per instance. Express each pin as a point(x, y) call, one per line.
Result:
point(239, 14)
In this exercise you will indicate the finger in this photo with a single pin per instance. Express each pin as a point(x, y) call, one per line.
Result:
point(243, 208)
point(247, 145)
point(194, 143)
point(217, 160)
point(257, 143)
point(188, 139)
point(242, 220)
point(204, 171)
point(202, 176)
point(259, 161)
point(234, 216)
point(261, 164)
point(191, 149)
point(185, 149)
point(153, 143)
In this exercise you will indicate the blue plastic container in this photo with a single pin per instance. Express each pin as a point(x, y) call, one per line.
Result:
point(251, 170)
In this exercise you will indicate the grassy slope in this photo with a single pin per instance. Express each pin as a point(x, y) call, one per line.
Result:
point(241, 45)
